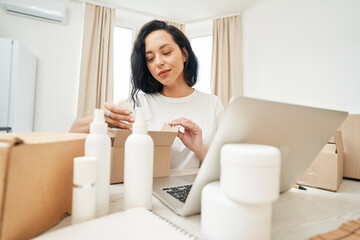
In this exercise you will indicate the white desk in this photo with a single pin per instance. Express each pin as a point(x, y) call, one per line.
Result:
point(298, 214)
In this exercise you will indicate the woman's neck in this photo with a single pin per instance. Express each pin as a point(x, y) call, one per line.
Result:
point(180, 90)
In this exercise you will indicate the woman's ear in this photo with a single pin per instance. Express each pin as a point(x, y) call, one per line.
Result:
point(185, 54)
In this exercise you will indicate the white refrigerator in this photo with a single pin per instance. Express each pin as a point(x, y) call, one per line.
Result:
point(17, 87)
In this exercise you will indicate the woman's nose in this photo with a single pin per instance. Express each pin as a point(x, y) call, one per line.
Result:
point(159, 61)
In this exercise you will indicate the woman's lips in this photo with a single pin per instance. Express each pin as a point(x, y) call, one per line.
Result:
point(163, 73)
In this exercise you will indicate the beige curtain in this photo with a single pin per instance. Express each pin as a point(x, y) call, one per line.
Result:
point(96, 73)
point(178, 25)
point(226, 73)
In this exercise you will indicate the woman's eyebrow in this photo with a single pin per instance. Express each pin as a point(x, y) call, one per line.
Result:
point(161, 47)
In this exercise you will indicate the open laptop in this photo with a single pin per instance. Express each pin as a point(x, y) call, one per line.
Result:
point(299, 132)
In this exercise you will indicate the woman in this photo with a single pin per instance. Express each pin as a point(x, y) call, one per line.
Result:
point(164, 68)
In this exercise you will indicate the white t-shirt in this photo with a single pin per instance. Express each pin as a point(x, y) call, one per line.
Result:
point(206, 110)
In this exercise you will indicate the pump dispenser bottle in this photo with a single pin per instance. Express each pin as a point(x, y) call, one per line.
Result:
point(98, 145)
point(138, 166)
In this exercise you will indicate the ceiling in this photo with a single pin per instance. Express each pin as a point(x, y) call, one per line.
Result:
point(183, 11)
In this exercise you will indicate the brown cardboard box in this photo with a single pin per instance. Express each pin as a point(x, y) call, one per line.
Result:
point(36, 181)
point(351, 137)
point(326, 171)
point(162, 152)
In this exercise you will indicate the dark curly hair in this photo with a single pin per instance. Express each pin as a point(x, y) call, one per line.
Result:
point(141, 78)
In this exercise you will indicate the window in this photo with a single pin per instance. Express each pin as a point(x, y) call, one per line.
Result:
point(202, 47)
point(122, 52)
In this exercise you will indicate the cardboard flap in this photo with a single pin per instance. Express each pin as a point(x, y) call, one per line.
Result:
point(120, 137)
point(167, 128)
point(10, 139)
point(339, 142)
point(160, 138)
point(163, 138)
point(329, 148)
point(41, 137)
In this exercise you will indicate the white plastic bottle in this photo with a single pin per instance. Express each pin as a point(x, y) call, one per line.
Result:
point(138, 166)
point(98, 144)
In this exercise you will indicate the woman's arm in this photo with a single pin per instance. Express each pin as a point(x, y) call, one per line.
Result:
point(82, 125)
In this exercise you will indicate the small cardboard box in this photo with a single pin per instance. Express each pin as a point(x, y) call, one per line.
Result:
point(326, 171)
point(351, 137)
point(162, 152)
point(36, 181)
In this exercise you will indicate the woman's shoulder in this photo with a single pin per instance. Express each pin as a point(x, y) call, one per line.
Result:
point(208, 96)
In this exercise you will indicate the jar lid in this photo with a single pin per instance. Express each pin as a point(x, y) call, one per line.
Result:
point(84, 170)
point(251, 155)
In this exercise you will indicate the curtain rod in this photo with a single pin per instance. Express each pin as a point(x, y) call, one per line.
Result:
point(213, 18)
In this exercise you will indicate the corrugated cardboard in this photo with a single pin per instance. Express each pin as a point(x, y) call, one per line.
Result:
point(351, 138)
point(326, 171)
point(36, 181)
point(162, 152)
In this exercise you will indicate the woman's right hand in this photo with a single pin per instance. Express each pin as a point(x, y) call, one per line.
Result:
point(117, 116)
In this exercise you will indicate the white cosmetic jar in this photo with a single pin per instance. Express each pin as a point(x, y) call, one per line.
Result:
point(222, 218)
point(250, 173)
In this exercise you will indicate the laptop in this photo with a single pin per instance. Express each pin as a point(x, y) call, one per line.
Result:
point(299, 132)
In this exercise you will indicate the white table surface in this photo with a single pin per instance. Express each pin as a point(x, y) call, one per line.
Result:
point(297, 214)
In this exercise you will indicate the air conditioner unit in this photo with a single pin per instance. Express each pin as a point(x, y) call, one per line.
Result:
point(48, 10)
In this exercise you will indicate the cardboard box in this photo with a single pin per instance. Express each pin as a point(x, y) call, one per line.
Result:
point(162, 152)
point(326, 171)
point(351, 137)
point(36, 181)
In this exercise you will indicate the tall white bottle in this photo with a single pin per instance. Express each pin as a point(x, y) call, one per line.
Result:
point(138, 166)
point(98, 144)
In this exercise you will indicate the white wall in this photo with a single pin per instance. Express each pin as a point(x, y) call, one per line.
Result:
point(303, 52)
point(57, 48)
point(132, 20)
point(199, 29)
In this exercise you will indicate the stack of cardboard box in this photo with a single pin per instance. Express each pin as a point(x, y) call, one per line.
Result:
point(351, 138)
point(326, 171)
point(339, 158)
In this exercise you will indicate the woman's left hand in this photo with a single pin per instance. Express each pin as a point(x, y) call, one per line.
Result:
point(191, 137)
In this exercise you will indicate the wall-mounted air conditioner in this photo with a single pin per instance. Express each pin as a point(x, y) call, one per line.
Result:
point(49, 10)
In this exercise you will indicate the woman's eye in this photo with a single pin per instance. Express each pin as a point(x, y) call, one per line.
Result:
point(167, 53)
point(149, 59)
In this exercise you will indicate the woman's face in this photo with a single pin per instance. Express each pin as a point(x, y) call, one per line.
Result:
point(164, 58)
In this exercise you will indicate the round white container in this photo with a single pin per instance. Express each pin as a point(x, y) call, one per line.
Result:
point(222, 218)
point(250, 173)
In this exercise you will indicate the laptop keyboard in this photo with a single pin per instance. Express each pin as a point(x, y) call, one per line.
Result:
point(179, 192)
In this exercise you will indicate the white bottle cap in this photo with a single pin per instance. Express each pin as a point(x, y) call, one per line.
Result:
point(84, 171)
point(98, 126)
point(140, 125)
